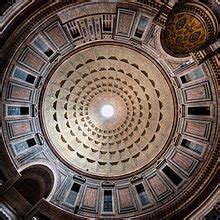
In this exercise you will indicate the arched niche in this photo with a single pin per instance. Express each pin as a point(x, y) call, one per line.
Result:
point(36, 182)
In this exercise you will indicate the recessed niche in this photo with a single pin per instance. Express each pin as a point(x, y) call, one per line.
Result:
point(142, 24)
point(71, 198)
point(17, 110)
point(195, 74)
point(200, 110)
point(107, 201)
point(197, 148)
point(23, 75)
point(23, 145)
point(172, 175)
point(42, 46)
point(142, 194)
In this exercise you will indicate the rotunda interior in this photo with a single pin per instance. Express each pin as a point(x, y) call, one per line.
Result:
point(110, 109)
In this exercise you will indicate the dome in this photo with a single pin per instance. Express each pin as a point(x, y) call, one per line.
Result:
point(137, 97)
point(106, 114)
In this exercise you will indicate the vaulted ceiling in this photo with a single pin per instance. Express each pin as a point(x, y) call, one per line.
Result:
point(110, 110)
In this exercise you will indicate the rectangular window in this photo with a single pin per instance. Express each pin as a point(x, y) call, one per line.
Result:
point(197, 148)
point(199, 110)
point(176, 179)
point(17, 110)
point(195, 74)
point(141, 27)
point(23, 145)
point(21, 74)
point(42, 46)
point(107, 207)
point(142, 194)
point(71, 198)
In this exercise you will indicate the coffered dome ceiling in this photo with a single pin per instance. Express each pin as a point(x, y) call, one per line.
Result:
point(137, 90)
point(100, 119)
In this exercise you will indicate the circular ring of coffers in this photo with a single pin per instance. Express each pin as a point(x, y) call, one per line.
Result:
point(143, 123)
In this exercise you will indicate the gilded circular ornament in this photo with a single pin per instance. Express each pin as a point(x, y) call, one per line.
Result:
point(111, 109)
point(184, 33)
